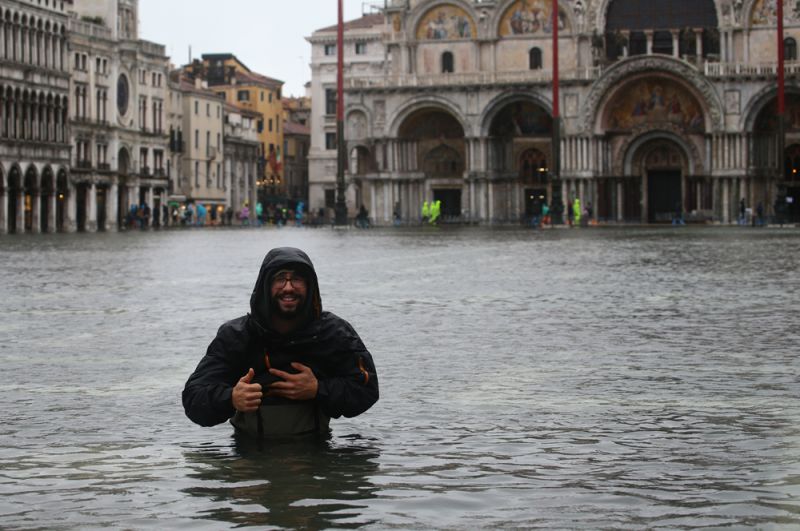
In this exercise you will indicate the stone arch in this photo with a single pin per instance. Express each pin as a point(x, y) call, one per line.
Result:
point(124, 161)
point(32, 177)
point(443, 161)
point(499, 103)
point(358, 123)
point(421, 13)
point(678, 71)
point(360, 158)
point(501, 20)
point(624, 161)
point(758, 102)
point(426, 102)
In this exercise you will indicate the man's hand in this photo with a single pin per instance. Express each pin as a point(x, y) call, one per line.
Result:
point(246, 397)
point(300, 386)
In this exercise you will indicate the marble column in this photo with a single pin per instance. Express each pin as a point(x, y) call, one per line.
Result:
point(91, 208)
point(112, 207)
point(20, 211)
point(71, 212)
point(3, 211)
point(620, 201)
point(51, 210)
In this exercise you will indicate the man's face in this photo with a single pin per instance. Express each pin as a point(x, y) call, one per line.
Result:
point(288, 292)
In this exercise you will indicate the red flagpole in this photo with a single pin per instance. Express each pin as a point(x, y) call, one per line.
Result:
point(556, 148)
point(555, 61)
point(341, 205)
point(781, 60)
point(781, 95)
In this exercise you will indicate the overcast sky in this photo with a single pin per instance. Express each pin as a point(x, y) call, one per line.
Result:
point(266, 35)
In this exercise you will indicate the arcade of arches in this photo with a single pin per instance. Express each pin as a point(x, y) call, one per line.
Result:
point(657, 156)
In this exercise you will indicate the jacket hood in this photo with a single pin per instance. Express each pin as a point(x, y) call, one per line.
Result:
point(276, 260)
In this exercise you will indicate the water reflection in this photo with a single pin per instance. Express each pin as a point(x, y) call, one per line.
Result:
point(596, 379)
point(302, 483)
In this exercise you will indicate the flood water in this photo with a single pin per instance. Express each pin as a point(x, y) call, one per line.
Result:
point(600, 378)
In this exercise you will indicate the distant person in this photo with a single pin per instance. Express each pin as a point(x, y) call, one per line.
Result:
point(362, 218)
point(742, 212)
point(244, 215)
point(576, 211)
point(287, 367)
point(760, 214)
point(546, 214)
point(426, 212)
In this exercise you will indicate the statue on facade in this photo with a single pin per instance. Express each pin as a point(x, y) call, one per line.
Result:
point(579, 10)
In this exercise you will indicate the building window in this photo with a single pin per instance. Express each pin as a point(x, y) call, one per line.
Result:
point(790, 49)
point(196, 108)
point(269, 127)
point(535, 59)
point(330, 140)
point(330, 101)
point(208, 109)
point(447, 63)
point(361, 48)
point(197, 139)
point(330, 198)
point(270, 97)
point(243, 95)
point(330, 49)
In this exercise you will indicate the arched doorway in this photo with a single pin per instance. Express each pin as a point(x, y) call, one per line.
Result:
point(361, 161)
point(62, 194)
point(520, 155)
point(663, 166)
point(432, 141)
point(791, 184)
point(45, 200)
point(14, 189)
point(123, 202)
point(81, 206)
point(534, 176)
point(779, 196)
point(445, 163)
point(31, 197)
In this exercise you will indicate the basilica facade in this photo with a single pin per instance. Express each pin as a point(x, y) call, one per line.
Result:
point(666, 105)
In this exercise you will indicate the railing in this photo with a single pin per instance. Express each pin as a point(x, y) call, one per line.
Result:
point(750, 69)
point(470, 78)
point(104, 166)
point(211, 152)
point(89, 29)
point(145, 171)
point(159, 172)
point(153, 48)
point(84, 164)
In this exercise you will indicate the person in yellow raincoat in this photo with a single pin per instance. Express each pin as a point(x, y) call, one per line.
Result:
point(576, 210)
point(436, 210)
point(426, 212)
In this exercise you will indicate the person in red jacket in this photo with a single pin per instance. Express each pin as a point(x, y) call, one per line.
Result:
point(287, 367)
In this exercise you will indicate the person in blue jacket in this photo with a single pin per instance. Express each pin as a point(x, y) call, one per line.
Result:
point(287, 367)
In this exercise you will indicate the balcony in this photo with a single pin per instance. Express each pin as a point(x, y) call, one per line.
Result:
point(145, 171)
point(84, 164)
point(104, 166)
point(211, 153)
point(470, 78)
point(159, 172)
point(769, 70)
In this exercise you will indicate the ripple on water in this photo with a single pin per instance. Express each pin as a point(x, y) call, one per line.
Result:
point(620, 378)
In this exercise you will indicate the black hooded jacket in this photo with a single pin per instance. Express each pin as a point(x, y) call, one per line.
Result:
point(347, 381)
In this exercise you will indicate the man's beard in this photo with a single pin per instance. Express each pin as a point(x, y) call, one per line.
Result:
point(288, 315)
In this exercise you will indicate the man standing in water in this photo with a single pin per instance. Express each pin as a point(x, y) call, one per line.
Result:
point(287, 367)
